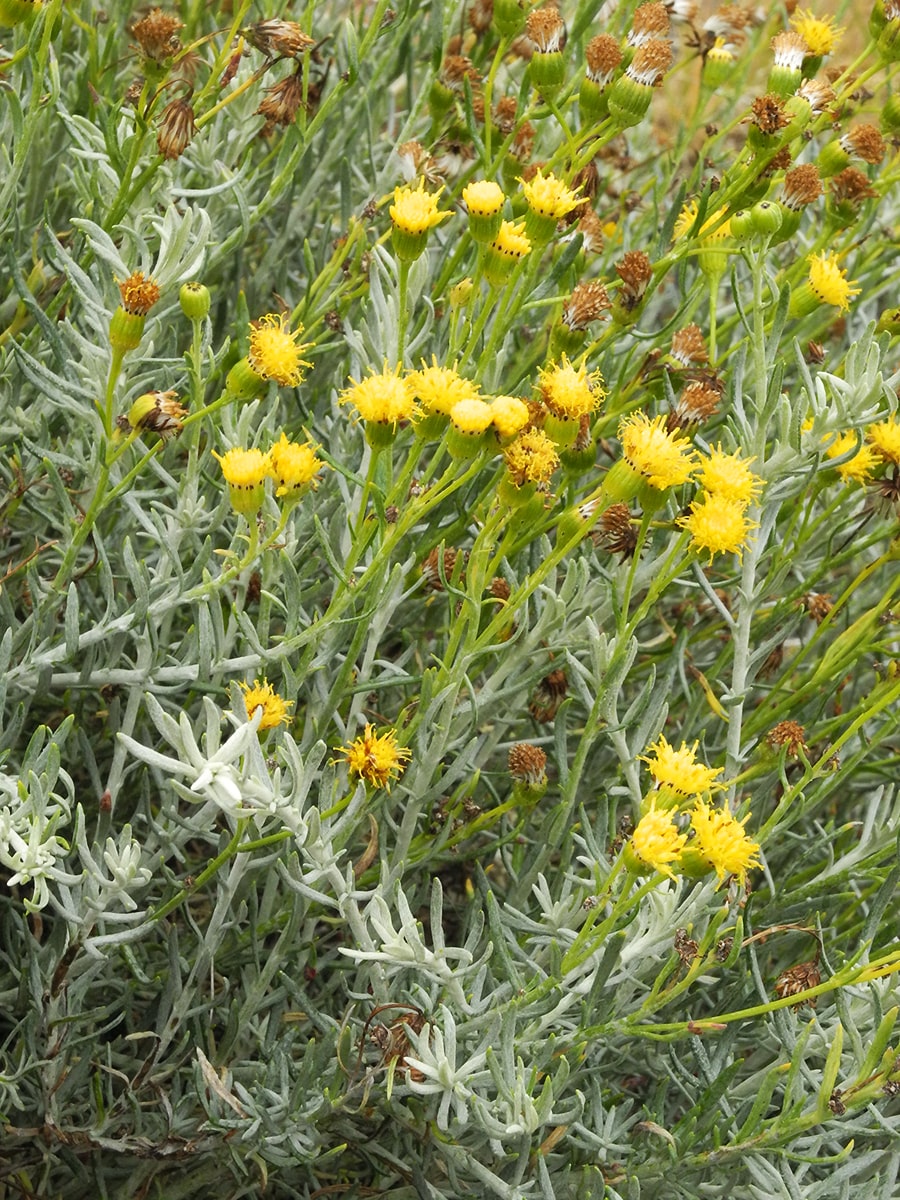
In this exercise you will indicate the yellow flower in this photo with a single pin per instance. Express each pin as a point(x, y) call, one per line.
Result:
point(511, 242)
point(829, 282)
point(570, 392)
point(819, 33)
point(688, 215)
point(718, 525)
point(720, 839)
point(414, 210)
point(293, 466)
point(471, 415)
point(263, 695)
point(439, 388)
point(859, 468)
point(376, 758)
point(510, 415)
point(244, 469)
point(549, 197)
point(885, 439)
point(679, 771)
point(663, 459)
point(385, 398)
point(274, 351)
point(656, 842)
point(531, 458)
point(729, 476)
point(483, 198)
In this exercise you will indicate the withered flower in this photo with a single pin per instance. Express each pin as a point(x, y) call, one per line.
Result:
point(797, 979)
point(176, 128)
point(527, 763)
point(616, 532)
point(635, 271)
point(431, 567)
point(789, 734)
point(696, 404)
point(278, 39)
point(548, 696)
point(283, 100)
point(689, 347)
point(801, 186)
point(157, 35)
point(587, 303)
point(769, 114)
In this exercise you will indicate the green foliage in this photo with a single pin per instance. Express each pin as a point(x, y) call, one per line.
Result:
point(556, 854)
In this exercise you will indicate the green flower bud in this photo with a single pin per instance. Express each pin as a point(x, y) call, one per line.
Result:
point(194, 299)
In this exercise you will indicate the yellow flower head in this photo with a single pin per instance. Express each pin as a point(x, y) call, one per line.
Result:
point(820, 33)
point(657, 842)
point(679, 770)
point(859, 468)
point(510, 415)
point(829, 282)
point(569, 392)
point(385, 398)
point(729, 476)
point(263, 695)
point(439, 388)
point(688, 215)
point(414, 210)
point(483, 198)
point(549, 197)
point(511, 241)
point(885, 439)
point(244, 469)
point(471, 416)
point(718, 525)
point(531, 458)
point(720, 839)
point(376, 758)
point(663, 459)
point(274, 350)
point(293, 466)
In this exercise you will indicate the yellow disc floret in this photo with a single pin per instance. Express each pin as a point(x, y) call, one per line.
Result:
point(570, 392)
point(511, 241)
point(274, 708)
point(471, 416)
point(719, 838)
point(531, 458)
point(829, 282)
point(663, 459)
point(414, 210)
point(717, 525)
point(376, 758)
point(861, 466)
point(293, 466)
point(510, 415)
point(549, 197)
point(275, 352)
point(679, 769)
point(483, 198)
point(439, 388)
point(244, 469)
point(656, 842)
point(820, 33)
point(729, 476)
point(884, 439)
point(385, 398)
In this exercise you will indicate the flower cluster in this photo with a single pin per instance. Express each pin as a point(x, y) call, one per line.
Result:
point(692, 841)
point(718, 522)
point(292, 466)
